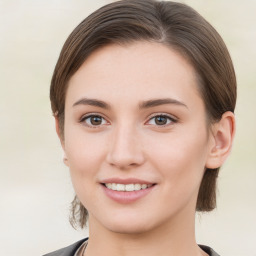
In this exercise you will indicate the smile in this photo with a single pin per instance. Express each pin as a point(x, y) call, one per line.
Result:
point(127, 187)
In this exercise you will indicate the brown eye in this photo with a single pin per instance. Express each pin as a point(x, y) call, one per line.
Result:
point(161, 120)
point(94, 120)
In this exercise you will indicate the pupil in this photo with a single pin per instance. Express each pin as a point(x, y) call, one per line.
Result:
point(161, 120)
point(96, 120)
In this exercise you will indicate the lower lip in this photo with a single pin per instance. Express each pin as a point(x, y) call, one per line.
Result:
point(125, 197)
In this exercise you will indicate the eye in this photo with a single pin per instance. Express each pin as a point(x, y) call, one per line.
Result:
point(93, 120)
point(161, 120)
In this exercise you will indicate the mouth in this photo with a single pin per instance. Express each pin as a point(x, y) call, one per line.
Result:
point(127, 187)
point(129, 190)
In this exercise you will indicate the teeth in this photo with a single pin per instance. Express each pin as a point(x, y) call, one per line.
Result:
point(126, 187)
point(138, 186)
point(108, 185)
point(129, 187)
point(144, 186)
point(120, 187)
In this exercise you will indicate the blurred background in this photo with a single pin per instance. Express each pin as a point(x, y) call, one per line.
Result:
point(35, 188)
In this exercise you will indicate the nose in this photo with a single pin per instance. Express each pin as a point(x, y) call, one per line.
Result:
point(125, 149)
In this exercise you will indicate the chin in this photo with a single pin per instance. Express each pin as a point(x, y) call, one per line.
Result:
point(129, 229)
point(135, 224)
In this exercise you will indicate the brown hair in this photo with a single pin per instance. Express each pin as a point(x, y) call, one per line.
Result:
point(173, 24)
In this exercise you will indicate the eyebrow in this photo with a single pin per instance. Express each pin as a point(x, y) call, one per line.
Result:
point(142, 105)
point(158, 102)
point(92, 102)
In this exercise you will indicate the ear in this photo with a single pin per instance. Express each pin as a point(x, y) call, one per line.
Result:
point(57, 127)
point(221, 142)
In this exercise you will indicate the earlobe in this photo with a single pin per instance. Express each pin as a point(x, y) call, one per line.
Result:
point(65, 160)
point(222, 139)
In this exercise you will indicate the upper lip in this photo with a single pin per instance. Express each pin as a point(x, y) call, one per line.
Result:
point(126, 181)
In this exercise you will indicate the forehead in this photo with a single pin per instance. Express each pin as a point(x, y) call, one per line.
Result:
point(132, 72)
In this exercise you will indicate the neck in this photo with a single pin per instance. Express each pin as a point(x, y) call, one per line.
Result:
point(173, 238)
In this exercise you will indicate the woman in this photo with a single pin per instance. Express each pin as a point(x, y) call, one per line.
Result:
point(143, 96)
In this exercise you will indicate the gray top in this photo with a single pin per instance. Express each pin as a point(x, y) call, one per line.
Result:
point(78, 248)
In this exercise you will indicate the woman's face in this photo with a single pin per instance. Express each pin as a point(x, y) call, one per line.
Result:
point(136, 137)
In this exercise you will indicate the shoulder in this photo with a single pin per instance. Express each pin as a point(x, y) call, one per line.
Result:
point(67, 251)
point(209, 250)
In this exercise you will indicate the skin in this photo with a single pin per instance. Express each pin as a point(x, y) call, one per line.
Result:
point(128, 142)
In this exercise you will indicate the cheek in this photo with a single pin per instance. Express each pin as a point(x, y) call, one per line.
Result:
point(85, 153)
point(180, 162)
point(180, 157)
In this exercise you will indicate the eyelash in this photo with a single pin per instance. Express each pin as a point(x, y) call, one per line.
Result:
point(171, 119)
point(83, 119)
